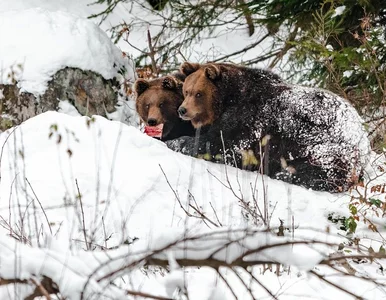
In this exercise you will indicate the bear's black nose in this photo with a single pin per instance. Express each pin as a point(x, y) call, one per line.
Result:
point(181, 111)
point(152, 122)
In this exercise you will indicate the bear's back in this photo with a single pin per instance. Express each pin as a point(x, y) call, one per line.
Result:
point(315, 116)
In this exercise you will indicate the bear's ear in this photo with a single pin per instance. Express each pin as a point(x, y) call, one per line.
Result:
point(188, 68)
point(180, 76)
point(140, 86)
point(170, 83)
point(213, 72)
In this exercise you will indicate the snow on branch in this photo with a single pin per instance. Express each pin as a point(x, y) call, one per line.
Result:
point(84, 274)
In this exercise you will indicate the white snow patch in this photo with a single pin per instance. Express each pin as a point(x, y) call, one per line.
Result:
point(348, 73)
point(36, 43)
point(338, 11)
point(66, 107)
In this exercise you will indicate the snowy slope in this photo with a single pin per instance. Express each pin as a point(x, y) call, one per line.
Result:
point(124, 195)
point(116, 163)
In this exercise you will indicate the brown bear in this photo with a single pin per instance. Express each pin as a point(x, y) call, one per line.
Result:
point(306, 136)
point(157, 102)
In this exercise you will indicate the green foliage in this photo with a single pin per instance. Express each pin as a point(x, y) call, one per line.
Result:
point(347, 224)
point(351, 224)
point(279, 12)
point(378, 203)
point(345, 53)
point(353, 209)
point(324, 44)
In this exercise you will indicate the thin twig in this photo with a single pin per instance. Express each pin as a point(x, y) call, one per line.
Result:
point(40, 204)
point(152, 53)
point(2, 147)
point(215, 213)
point(146, 295)
point(215, 177)
point(321, 277)
point(248, 288)
point(201, 214)
point(81, 208)
point(245, 49)
point(195, 208)
point(104, 231)
point(227, 283)
point(262, 285)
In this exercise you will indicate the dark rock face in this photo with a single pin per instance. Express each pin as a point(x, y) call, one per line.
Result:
point(15, 107)
point(89, 92)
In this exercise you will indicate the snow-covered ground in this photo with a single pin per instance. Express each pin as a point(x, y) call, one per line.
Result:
point(65, 179)
point(128, 184)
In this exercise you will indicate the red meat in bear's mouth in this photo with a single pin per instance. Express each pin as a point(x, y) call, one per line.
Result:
point(154, 131)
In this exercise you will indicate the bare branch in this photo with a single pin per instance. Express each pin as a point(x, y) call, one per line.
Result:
point(321, 277)
point(40, 204)
point(41, 289)
point(146, 295)
point(245, 49)
point(81, 208)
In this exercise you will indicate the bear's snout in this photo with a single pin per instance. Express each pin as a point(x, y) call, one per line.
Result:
point(152, 122)
point(182, 111)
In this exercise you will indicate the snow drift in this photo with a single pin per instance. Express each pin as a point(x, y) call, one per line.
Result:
point(36, 43)
point(69, 184)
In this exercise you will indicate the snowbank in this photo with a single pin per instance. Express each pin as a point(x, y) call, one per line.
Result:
point(118, 167)
point(36, 43)
point(130, 186)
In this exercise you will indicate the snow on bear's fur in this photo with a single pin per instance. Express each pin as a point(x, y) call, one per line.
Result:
point(306, 136)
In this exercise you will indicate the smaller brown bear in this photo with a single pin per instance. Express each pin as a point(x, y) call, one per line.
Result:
point(157, 102)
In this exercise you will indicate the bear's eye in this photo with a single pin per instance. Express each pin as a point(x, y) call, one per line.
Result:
point(198, 95)
point(161, 104)
point(147, 106)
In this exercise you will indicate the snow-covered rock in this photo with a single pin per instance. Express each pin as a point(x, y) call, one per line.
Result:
point(36, 43)
point(59, 56)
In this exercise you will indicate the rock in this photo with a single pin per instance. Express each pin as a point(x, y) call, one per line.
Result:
point(88, 91)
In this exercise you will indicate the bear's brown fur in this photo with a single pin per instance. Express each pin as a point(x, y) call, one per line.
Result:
point(307, 136)
point(157, 102)
point(200, 97)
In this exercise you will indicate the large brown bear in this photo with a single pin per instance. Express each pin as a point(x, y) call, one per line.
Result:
point(306, 136)
point(157, 102)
